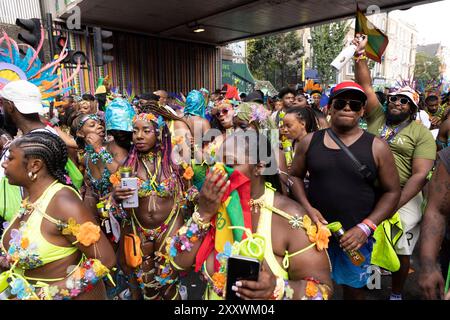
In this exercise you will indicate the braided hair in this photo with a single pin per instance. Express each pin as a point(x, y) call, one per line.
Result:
point(49, 148)
point(153, 107)
point(307, 115)
point(163, 146)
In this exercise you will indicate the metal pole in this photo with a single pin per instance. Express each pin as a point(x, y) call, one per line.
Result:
point(49, 23)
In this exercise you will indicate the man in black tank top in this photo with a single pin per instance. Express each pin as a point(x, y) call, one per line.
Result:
point(338, 192)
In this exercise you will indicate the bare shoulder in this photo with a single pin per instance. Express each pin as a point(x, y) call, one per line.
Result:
point(379, 144)
point(292, 208)
point(288, 205)
point(305, 142)
point(180, 125)
point(65, 204)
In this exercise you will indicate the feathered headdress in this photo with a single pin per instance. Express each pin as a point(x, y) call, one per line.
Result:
point(411, 83)
point(16, 66)
point(433, 88)
point(256, 114)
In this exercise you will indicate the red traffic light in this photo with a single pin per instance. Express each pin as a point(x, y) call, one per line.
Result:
point(61, 41)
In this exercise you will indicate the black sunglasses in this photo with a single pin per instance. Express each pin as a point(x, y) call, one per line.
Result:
point(394, 99)
point(340, 104)
point(223, 111)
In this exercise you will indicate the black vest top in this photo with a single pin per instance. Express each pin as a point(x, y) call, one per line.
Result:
point(335, 187)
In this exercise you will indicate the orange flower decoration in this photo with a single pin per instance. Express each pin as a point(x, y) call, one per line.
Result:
point(114, 179)
point(79, 273)
point(188, 173)
point(25, 243)
point(311, 289)
point(310, 228)
point(322, 237)
point(88, 234)
point(219, 280)
point(317, 234)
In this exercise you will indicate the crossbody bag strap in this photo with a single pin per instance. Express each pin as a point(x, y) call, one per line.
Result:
point(362, 169)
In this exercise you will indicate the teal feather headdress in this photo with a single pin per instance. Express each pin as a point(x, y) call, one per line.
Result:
point(16, 66)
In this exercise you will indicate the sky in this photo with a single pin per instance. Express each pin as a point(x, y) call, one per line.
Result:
point(432, 22)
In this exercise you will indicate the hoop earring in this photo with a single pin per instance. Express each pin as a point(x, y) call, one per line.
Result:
point(32, 176)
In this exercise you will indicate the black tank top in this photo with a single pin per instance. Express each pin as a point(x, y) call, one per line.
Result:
point(335, 187)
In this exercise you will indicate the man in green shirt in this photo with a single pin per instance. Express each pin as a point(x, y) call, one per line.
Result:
point(435, 110)
point(414, 151)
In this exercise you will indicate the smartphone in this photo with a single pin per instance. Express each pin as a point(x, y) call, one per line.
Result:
point(240, 268)
point(131, 183)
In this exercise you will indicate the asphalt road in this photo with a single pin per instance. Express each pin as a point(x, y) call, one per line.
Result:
point(195, 287)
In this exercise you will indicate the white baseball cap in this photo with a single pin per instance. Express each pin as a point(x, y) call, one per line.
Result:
point(25, 95)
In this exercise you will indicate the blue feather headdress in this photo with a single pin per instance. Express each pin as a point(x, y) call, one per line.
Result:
point(16, 66)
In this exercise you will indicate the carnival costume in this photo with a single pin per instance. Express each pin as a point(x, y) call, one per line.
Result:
point(229, 232)
point(163, 182)
point(28, 249)
point(16, 66)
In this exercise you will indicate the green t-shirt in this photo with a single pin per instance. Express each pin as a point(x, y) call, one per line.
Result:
point(414, 141)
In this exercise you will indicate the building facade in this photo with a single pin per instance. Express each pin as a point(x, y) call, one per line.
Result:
point(141, 63)
point(397, 62)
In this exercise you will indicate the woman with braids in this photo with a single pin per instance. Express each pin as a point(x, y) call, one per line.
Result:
point(297, 123)
point(53, 248)
point(158, 215)
point(99, 158)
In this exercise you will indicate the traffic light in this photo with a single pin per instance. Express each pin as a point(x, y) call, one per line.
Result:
point(72, 55)
point(100, 47)
point(32, 35)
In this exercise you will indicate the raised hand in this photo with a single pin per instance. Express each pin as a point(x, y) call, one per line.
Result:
point(214, 187)
point(360, 41)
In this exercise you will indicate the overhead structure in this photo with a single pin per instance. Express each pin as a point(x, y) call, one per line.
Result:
point(219, 22)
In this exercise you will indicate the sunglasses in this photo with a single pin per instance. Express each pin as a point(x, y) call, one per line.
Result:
point(394, 99)
point(340, 104)
point(223, 111)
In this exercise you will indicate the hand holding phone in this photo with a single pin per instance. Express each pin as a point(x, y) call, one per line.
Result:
point(240, 268)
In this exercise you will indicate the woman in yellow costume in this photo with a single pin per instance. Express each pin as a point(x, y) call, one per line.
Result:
point(295, 264)
point(53, 248)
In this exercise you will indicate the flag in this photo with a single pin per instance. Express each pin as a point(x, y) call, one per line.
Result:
point(377, 41)
point(234, 211)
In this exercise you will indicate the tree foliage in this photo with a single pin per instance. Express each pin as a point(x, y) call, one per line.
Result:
point(275, 58)
point(427, 68)
point(327, 41)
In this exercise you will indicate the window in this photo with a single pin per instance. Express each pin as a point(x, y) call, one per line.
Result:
point(350, 69)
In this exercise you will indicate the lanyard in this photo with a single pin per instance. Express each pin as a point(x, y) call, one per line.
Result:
point(388, 133)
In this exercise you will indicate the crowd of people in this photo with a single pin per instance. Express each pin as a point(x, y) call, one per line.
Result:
point(106, 196)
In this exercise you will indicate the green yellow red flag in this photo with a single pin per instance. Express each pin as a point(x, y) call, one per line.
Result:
point(377, 40)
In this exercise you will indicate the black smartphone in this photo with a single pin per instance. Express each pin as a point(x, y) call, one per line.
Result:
point(240, 268)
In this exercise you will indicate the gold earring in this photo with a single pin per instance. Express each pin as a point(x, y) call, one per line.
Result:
point(32, 176)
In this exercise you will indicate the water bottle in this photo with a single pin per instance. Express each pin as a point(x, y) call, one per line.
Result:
point(288, 151)
point(343, 57)
point(356, 257)
point(104, 217)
